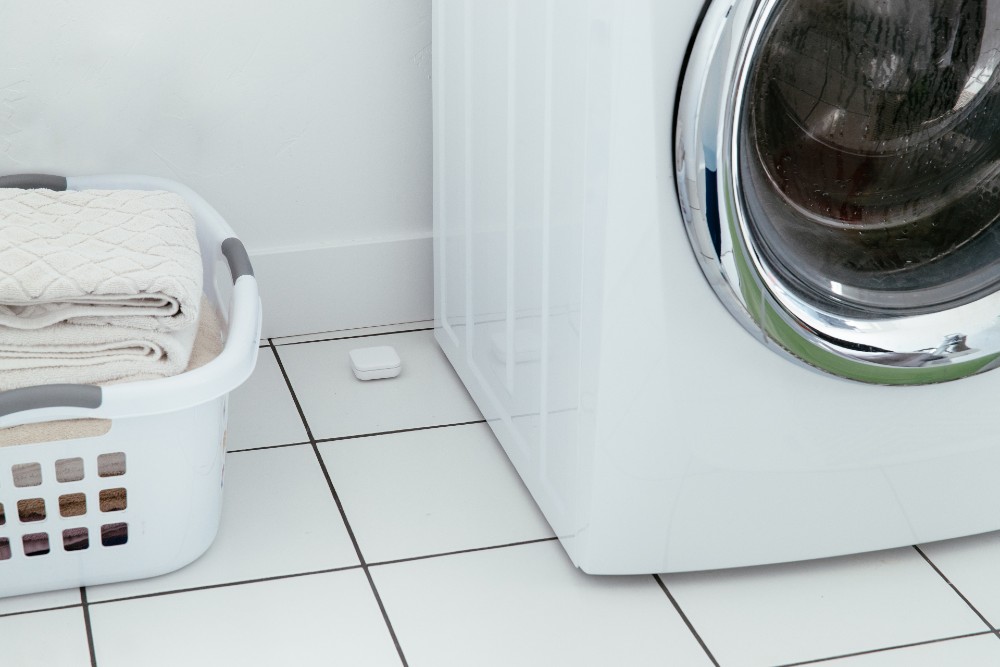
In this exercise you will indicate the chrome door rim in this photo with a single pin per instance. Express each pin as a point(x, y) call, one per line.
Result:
point(877, 348)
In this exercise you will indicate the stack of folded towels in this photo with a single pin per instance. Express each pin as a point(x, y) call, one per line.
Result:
point(98, 286)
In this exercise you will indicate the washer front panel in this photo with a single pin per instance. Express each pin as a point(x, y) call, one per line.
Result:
point(887, 270)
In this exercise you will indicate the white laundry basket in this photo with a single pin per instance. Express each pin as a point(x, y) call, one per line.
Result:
point(144, 498)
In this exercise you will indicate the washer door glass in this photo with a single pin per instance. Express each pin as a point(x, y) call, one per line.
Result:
point(838, 166)
point(870, 153)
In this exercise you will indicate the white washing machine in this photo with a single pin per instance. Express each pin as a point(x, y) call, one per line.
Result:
point(724, 279)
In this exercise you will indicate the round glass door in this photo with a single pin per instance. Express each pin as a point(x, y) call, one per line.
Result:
point(839, 172)
point(870, 152)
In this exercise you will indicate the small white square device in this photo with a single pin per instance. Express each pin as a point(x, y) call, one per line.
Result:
point(375, 363)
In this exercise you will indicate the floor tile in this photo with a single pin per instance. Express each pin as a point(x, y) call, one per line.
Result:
point(55, 638)
point(278, 518)
point(38, 601)
point(352, 333)
point(325, 619)
point(432, 491)
point(336, 404)
point(261, 411)
point(779, 614)
point(971, 564)
point(528, 605)
point(970, 651)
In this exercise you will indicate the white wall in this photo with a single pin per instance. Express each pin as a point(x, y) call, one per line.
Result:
point(306, 123)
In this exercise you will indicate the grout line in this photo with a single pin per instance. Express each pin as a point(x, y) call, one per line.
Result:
point(86, 622)
point(37, 611)
point(955, 588)
point(887, 648)
point(399, 430)
point(340, 506)
point(295, 398)
point(227, 584)
point(358, 435)
point(357, 549)
point(279, 577)
point(462, 551)
point(687, 621)
point(335, 332)
point(367, 335)
point(257, 449)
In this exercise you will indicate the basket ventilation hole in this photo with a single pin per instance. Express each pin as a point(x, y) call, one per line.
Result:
point(73, 504)
point(76, 539)
point(69, 470)
point(36, 544)
point(3, 517)
point(27, 474)
point(114, 534)
point(32, 509)
point(111, 465)
point(113, 500)
point(4, 548)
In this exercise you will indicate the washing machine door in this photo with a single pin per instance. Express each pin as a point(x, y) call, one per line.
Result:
point(838, 165)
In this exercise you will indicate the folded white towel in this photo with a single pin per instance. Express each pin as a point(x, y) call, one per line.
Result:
point(116, 257)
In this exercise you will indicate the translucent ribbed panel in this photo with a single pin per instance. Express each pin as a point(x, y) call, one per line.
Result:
point(512, 193)
point(450, 158)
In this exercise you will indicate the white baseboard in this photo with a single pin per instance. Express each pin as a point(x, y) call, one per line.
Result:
point(345, 286)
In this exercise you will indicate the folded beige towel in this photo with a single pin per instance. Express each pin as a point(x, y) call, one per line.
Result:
point(83, 354)
point(120, 257)
point(93, 354)
point(207, 346)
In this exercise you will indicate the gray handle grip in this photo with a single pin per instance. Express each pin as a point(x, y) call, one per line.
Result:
point(33, 182)
point(50, 396)
point(236, 254)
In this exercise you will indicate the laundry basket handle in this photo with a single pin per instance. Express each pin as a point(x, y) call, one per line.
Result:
point(33, 182)
point(236, 254)
point(50, 396)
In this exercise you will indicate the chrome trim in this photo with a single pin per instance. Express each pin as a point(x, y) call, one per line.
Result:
point(881, 349)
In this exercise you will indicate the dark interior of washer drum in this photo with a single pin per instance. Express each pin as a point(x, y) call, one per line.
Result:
point(869, 156)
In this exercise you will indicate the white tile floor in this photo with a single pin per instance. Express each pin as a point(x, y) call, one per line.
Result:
point(381, 524)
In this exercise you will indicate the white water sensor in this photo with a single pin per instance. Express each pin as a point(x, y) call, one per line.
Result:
point(375, 363)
